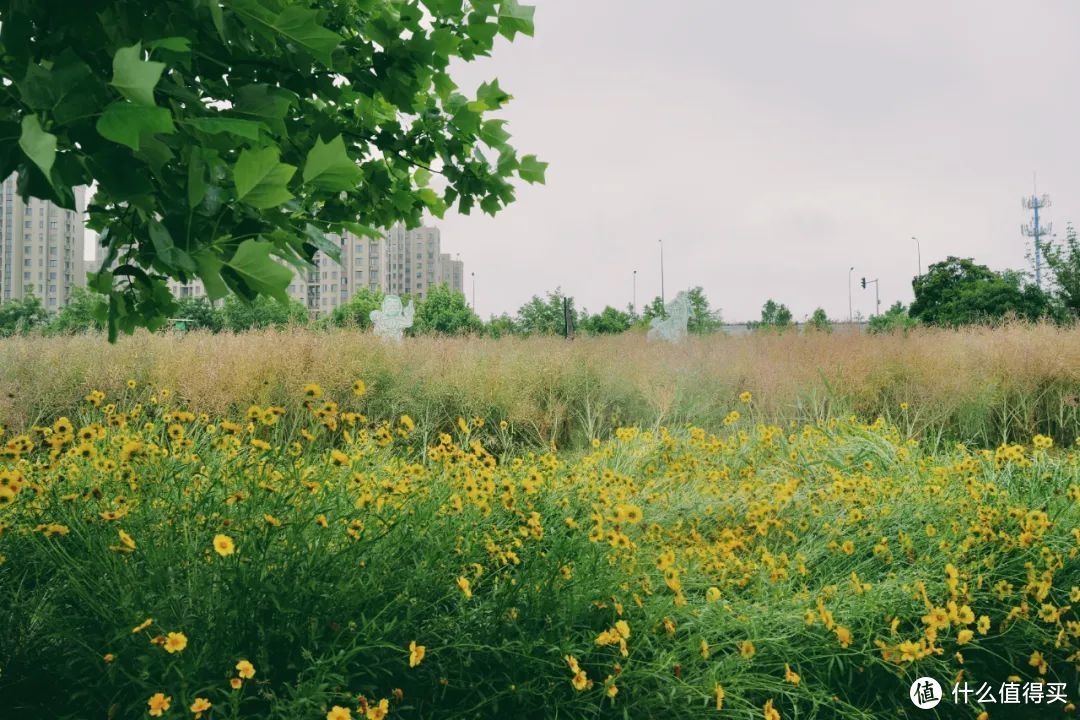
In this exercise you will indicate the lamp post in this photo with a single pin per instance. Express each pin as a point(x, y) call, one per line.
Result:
point(633, 297)
point(663, 300)
point(850, 316)
point(473, 274)
point(918, 254)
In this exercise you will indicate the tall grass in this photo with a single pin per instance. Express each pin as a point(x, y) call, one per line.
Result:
point(979, 385)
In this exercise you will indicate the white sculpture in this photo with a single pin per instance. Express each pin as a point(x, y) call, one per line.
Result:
point(673, 327)
point(391, 321)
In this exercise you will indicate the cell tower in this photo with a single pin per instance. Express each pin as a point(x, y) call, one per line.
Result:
point(1035, 231)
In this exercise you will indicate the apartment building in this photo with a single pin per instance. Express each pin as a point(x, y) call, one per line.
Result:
point(41, 248)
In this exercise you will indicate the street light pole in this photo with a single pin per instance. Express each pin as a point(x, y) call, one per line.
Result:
point(918, 254)
point(850, 316)
point(663, 300)
point(473, 274)
point(633, 298)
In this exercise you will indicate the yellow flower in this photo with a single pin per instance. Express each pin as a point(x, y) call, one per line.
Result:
point(126, 539)
point(903, 406)
point(983, 624)
point(245, 669)
point(416, 653)
point(313, 391)
point(175, 642)
point(142, 626)
point(339, 713)
point(704, 649)
point(580, 681)
point(359, 388)
point(712, 594)
point(770, 712)
point(964, 636)
point(378, 712)
point(200, 706)
point(463, 584)
point(747, 649)
point(236, 683)
point(223, 545)
point(843, 635)
point(791, 676)
point(463, 426)
point(108, 657)
point(158, 703)
point(745, 397)
point(718, 692)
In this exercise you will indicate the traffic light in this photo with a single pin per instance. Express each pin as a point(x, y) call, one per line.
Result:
point(864, 283)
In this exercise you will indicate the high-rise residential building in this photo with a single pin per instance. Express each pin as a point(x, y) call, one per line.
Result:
point(403, 262)
point(41, 248)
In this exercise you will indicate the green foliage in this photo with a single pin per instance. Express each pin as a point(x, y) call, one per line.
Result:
point(894, 319)
point(83, 313)
point(238, 315)
point(819, 322)
point(653, 309)
point(199, 314)
point(957, 291)
point(702, 318)
point(445, 312)
point(226, 139)
point(501, 326)
point(610, 321)
point(357, 312)
point(773, 317)
point(546, 316)
point(18, 317)
point(1064, 264)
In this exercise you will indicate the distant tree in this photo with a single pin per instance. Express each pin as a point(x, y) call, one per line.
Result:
point(545, 316)
point(1063, 262)
point(501, 326)
point(894, 319)
point(610, 321)
point(200, 314)
point(357, 312)
point(819, 321)
point(774, 316)
point(238, 315)
point(18, 317)
point(702, 318)
point(445, 312)
point(958, 291)
point(84, 312)
point(653, 309)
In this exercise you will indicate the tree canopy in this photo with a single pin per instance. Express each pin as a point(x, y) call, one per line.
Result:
point(958, 291)
point(226, 139)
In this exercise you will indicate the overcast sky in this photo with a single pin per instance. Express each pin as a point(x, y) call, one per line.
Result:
point(772, 145)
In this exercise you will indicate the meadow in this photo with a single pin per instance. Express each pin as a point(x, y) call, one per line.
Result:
point(319, 525)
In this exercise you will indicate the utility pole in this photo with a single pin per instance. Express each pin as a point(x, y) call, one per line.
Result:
point(663, 300)
point(850, 316)
point(918, 255)
point(473, 274)
point(633, 297)
point(877, 293)
point(1035, 231)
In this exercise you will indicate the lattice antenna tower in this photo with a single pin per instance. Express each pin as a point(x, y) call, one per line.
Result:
point(1035, 230)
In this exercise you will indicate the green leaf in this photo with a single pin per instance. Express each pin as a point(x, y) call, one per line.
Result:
point(38, 145)
point(269, 104)
point(362, 230)
point(249, 129)
point(317, 238)
point(514, 19)
point(125, 123)
point(133, 77)
point(260, 272)
point(295, 23)
point(492, 96)
point(422, 177)
point(328, 167)
point(261, 179)
point(196, 182)
point(210, 273)
point(532, 170)
point(493, 133)
point(177, 44)
point(219, 19)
